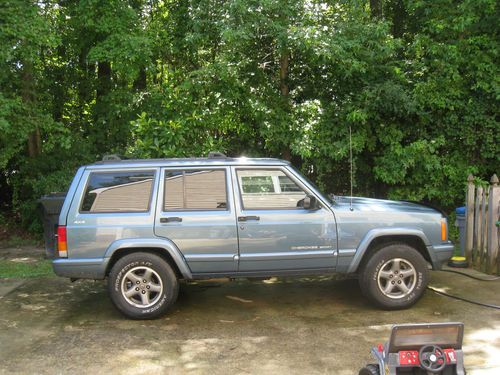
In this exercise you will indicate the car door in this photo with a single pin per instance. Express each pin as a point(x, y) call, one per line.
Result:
point(194, 211)
point(274, 231)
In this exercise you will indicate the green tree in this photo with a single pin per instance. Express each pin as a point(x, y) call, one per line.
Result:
point(416, 82)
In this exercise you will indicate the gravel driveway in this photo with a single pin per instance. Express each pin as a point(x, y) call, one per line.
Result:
point(281, 326)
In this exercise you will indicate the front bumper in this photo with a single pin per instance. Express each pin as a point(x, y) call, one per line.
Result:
point(94, 268)
point(440, 254)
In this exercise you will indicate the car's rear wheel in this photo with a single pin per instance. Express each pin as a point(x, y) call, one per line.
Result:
point(142, 285)
point(394, 277)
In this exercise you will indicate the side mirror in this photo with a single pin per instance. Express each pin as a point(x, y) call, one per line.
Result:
point(310, 203)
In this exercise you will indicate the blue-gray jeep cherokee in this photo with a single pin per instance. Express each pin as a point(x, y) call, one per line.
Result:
point(147, 224)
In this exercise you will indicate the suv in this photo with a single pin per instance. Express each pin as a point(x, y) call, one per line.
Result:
point(148, 224)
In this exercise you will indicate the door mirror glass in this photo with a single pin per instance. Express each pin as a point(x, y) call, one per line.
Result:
point(310, 203)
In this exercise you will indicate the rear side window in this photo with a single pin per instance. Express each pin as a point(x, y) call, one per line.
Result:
point(118, 192)
point(195, 190)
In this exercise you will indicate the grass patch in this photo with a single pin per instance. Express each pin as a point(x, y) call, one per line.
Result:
point(13, 235)
point(10, 269)
point(18, 241)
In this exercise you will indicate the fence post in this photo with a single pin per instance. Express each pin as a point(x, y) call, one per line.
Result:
point(493, 205)
point(478, 214)
point(469, 219)
point(483, 225)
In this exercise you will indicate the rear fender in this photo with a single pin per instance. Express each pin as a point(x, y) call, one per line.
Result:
point(151, 243)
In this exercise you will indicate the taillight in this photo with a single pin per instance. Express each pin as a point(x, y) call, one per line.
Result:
point(444, 230)
point(62, 242)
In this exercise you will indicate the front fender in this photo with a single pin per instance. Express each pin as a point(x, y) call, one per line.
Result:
point(161, 244)
point(384, 232)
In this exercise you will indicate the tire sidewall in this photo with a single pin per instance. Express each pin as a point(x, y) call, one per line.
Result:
point(370, 369)
point(369, 282)
point(164, 271)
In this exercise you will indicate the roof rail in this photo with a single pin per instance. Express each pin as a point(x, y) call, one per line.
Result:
point(111, 157)
point(216, 155)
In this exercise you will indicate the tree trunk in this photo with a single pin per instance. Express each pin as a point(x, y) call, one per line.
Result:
point(285, 91)
point(103, 80)
point(376, 9)
point(398, 19)
point(59, 87)
point(140, 83)
point(34, 143)
point(102, 129)
point(284, 63)
point(28, 98)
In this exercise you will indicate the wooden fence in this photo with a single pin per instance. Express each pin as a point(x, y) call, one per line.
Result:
point(482, 225)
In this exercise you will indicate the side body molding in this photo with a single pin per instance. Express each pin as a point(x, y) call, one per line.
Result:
point(375, 233)
point(162, 244)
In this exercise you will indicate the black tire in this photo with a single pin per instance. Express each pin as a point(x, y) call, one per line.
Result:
point(162, 278)
point(369, 370)
point(378, 272)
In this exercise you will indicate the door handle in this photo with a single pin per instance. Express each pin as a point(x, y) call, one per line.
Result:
point(247, 218)
point(170, 219)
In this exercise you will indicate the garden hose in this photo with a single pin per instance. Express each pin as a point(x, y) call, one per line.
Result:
point(490, 278)
point(463, 299)
point(494, 278)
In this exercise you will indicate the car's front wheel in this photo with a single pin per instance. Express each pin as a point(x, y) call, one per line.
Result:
point(142, 285)
point(394, 277)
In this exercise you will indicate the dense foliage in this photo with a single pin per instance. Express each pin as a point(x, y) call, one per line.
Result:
point(417, 81)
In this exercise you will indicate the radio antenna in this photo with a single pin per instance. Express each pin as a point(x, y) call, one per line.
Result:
point(350, 161)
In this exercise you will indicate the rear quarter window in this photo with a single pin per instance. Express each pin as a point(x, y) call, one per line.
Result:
point(118, 192)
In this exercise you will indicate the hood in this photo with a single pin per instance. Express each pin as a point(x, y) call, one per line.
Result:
point(379, 205)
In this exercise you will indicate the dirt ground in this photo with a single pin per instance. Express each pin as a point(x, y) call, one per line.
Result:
point(282, 326)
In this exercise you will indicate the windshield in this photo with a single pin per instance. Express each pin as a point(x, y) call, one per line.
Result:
point(326, 197)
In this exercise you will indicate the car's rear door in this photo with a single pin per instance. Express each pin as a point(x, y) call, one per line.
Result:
point(195, 210)
point(275, 233)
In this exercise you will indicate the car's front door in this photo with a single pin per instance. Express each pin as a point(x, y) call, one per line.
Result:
point(195, 211)
point(274, 231)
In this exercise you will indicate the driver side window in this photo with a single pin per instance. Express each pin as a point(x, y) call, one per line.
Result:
point(268, 189)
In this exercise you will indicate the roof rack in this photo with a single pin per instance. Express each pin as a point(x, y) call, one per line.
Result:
point(111, 157)
point(216, 155)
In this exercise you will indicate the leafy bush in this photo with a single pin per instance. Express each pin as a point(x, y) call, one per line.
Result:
point(417, 83)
